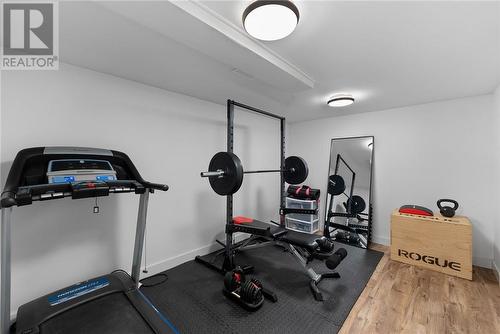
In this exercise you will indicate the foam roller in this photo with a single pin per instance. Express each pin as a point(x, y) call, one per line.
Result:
point(333, 261)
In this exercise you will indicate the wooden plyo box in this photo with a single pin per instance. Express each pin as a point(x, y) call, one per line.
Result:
point(437, 243)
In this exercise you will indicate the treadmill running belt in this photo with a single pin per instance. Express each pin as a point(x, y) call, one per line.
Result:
point(112, 314)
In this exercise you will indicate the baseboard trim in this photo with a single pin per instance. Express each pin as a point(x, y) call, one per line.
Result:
point(496, 270)
point(381, 240)
point(482, 262)
point(158, 267)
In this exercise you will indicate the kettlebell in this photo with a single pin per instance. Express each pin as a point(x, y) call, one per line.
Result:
point(445, 210)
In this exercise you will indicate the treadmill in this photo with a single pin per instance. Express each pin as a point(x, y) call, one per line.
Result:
point(110, 303)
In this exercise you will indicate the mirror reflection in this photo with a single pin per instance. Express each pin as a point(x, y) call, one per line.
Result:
point(348, 214)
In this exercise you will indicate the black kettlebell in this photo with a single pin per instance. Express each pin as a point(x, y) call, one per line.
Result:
point(447, 211)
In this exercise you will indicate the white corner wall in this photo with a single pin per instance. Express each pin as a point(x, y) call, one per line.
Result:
point(496, 245)
point(170, 137)
point(422, 153)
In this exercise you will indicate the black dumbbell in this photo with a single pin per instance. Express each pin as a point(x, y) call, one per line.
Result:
point(233, 279)
point(251, 291)
point(248, 291)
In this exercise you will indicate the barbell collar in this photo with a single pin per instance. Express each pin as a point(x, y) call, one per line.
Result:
point(217, 173)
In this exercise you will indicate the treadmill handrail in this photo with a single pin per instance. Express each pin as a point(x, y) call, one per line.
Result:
point(15, 176)
point(155, 186)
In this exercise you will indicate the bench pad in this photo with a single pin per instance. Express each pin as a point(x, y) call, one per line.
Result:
point(307, 241)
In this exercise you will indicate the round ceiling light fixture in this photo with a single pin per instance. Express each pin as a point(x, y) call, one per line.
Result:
point(340, 100)
point(270, 20)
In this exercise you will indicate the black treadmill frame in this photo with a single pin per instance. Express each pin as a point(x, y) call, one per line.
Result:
point(18, 192)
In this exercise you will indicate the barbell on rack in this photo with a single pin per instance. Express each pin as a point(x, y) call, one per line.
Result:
point(225, 172)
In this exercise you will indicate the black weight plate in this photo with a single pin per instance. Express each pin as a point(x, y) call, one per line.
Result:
point(300, 170)
point(336, 184)
point(233, 173)
point(357, 204)
point(251, 293)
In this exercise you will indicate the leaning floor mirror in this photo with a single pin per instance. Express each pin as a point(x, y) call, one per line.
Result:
point(348, 216)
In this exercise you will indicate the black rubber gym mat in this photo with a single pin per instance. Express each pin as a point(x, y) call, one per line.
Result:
point(193, 300)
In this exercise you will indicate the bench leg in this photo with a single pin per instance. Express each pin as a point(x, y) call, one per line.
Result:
point(314, 284)
point(315, 277)
point(330, 275)
point(315, 291)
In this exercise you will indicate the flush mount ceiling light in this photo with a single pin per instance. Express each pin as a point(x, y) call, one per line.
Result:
point(340, 100)
point(270, 20)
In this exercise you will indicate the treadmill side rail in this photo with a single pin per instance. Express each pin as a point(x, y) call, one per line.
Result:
point(33, 314)
point(139, 236)
point(5, 271)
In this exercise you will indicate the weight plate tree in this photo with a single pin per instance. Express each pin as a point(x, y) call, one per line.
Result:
point(225, 172)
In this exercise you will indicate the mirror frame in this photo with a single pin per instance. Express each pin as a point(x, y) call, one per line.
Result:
point(326, 225)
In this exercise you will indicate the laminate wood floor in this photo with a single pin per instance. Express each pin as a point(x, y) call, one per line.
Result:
point(400, 298)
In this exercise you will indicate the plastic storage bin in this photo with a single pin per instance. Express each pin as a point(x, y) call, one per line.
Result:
point(293, 203)
point(301, 225)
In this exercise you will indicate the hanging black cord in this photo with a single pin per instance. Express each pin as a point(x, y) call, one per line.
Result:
point(161, 281)
point(145, 271)
point(165, 278)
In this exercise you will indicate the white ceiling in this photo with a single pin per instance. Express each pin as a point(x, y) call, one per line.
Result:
point(94, 37)
point(388, 54)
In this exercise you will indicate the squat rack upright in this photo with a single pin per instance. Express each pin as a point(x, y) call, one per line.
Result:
point(230, 148)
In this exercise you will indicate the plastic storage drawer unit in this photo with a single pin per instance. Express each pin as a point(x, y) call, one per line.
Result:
point(293, 203)
point(301, 225)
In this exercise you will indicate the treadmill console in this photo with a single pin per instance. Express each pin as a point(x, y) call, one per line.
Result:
point(47, 173)
point(79, 170)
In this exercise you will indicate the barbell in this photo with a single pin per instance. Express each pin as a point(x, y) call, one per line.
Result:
point(225, 172)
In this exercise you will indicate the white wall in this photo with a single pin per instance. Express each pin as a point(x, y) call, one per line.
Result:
point(496, 248)
point(422, 153)
point(170, 137)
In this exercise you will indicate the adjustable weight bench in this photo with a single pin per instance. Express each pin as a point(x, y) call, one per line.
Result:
point(303, 247)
